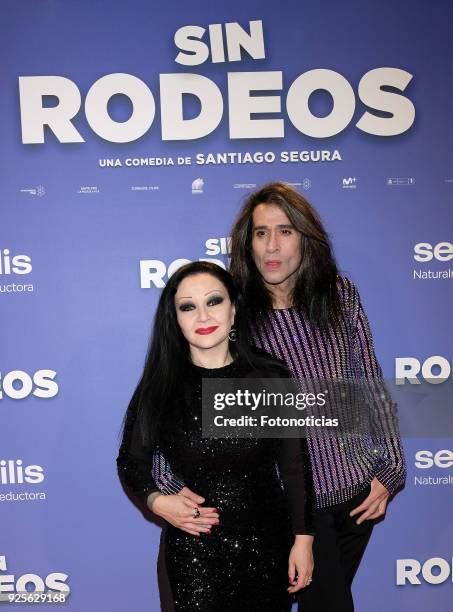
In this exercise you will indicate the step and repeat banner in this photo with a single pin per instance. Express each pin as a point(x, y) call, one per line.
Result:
point(131, 132)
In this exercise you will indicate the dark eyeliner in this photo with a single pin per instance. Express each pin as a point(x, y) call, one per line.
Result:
point(218, 299)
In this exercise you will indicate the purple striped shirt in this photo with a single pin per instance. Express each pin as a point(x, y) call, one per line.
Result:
point(342, 466)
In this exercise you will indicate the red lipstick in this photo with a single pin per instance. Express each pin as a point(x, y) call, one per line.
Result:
point(203, 331)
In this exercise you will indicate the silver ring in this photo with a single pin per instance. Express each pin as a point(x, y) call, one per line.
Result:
point(196, 513)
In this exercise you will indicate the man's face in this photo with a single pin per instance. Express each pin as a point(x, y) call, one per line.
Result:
point(276, 246)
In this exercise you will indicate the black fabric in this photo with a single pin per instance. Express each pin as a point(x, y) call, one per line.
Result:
point(243, 564)
point(338, 548)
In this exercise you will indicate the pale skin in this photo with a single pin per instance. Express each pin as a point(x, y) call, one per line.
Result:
point(375, 505)
point(276, 246)
point(201, 303)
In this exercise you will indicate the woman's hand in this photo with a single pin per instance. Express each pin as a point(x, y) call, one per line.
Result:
point(300, 562)
point(180, 511)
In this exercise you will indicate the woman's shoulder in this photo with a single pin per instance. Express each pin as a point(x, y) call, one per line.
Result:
point(265, 365)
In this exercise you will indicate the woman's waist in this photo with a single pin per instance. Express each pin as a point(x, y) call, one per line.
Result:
point(244, 502)
point(231, 484)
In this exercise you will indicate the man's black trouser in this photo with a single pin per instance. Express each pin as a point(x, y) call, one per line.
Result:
point(337, 549)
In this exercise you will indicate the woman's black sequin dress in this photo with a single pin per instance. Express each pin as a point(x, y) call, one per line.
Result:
point(243, 564)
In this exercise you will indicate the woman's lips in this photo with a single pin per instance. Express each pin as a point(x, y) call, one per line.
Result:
point(272, 264)
point(203, 331)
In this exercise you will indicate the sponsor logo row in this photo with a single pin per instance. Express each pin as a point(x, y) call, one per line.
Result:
point(198, 184)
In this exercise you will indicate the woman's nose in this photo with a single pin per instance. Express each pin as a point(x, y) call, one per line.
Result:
point(203, 314)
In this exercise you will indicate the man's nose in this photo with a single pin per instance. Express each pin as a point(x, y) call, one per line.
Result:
point(272, 242)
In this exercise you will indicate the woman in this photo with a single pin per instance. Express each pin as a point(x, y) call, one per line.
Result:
point(246, 560)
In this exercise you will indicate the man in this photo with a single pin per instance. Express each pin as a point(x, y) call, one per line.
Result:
point(300, 310)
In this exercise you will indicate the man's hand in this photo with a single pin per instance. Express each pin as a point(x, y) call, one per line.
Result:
point(186, 492)
point(179, 510)
point(375, 505)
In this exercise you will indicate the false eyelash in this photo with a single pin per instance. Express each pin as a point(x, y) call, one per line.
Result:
point(215, 300)
point(212, 302)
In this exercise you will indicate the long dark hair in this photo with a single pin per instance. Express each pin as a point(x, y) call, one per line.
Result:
point(168, 355)
point(315, 290)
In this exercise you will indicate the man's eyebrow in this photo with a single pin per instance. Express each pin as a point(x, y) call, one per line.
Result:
point(280, 226)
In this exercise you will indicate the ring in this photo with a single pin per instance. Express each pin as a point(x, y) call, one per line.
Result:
point(196, 513)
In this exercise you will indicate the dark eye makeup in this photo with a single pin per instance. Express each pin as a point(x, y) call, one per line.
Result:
point(185, 306)
point(216, 299)
point(213, 301)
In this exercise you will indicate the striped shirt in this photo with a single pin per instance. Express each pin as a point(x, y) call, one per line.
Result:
point(342, 466)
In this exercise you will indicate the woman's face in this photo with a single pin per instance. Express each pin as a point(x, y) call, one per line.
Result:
point(204, 311)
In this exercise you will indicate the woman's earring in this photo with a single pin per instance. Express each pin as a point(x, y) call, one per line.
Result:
point(233, 335)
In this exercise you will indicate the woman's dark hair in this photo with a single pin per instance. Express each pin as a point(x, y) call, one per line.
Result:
point(315, 289)
point(168, 355)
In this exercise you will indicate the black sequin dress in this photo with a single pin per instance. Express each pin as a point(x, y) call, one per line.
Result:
point(243, 563)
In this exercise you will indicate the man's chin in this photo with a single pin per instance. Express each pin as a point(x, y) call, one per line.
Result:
point(274, 279)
